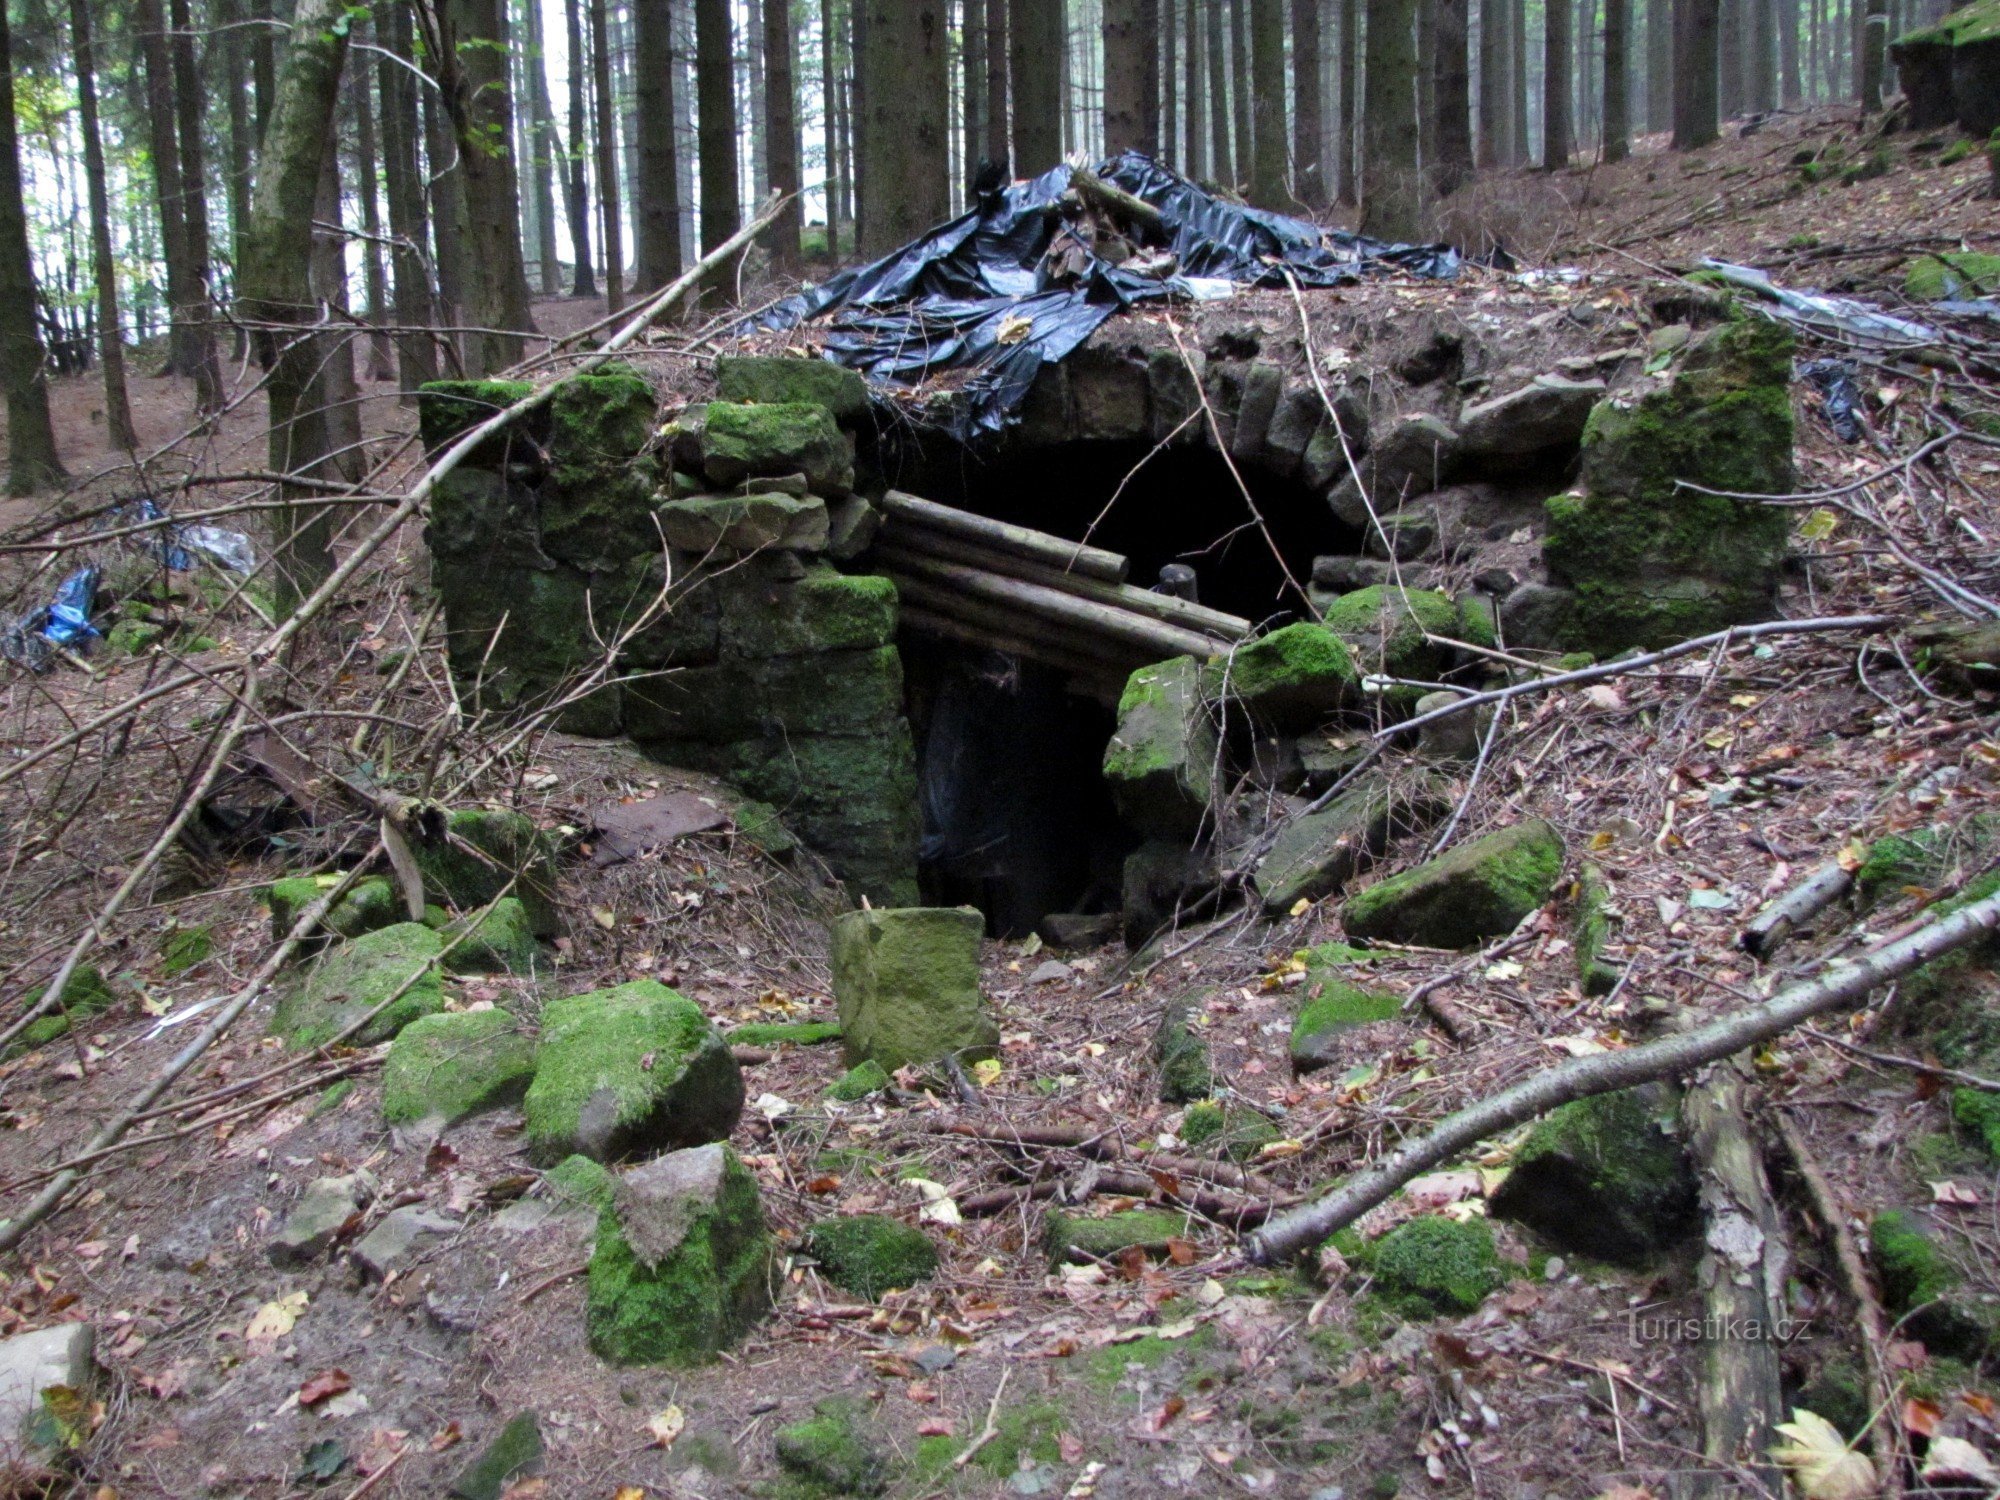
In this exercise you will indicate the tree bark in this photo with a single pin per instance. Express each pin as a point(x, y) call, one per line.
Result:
point(1240, 112)
point(189, 102)
point(576, 176)
point(327, 277)
point(997, 133)
point(276, 288)
point(446, 181)
point(829, 96)
point(1268, 132)
point(104, 263)
point(1035, 49)
point(473, 75)
point(1557, 140)
point(972, 87)
point(1222, 161)
point(1150, 14)
point(1874, 40)
point(1789, 90)
point(1124, 76)
point(715, 89)
point(1617, 80)
point(781, 135)
point(548, 150)
point(1451, 95)
point(1729, 55)
point(1659, 65)
point(901, 142)
point(607, 156)
point(1696, 121)
point(32, 460)
point(657, 193)
point(757, 98)
point(1194, 121)
point(239, 140)
point(164, 143)
point(416, 351)
point(1348, 152)
point(1308, 111)
point(1492, 84)
point(1391, 196)
point(380, 358)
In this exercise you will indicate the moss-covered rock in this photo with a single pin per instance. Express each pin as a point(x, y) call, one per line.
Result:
point(448, 409)
point(1162, 879)
point(1952, 275)
point(1978, 1113)
point(744, 442)
point(1436, 1265)
point(1922, 1288)
point(1290, 679)
point(1334, 1005)
point(1180, 1054)
point(1650, 562)
point(1388, 630)
point(498, 940)
point(1315, 855)
point(515, 1453)
point(1160, 764)
point(1606, 1177)
point(907, 984)
point(486, 850)
point(578, 1183)
point(183, 948)
point(86, 995)
point(681, 1266)
point(870, 1254)
point(733, 525)
point(1226, 1130)
point(1590, 930)
point(834, 1453)
point(770, 379)
point(859, 1082)
point(1070, 1237)
point(133, 637)
point(355, 978)
point(628, 1070)
point(736, 699)
point(1478, 890)
point(822, 611)
point(512, 638)
point(783, 1033)
point(447, 1066)
point(1925, 859)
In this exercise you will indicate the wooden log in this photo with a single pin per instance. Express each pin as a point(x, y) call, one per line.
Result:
point(1086, 616)
point(1002, 536)
point(1087, 679)
point(1108, 197)
point(1077, 649)
point(1165, 608)
point(1770, 927)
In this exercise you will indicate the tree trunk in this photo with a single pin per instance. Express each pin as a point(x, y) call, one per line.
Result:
point(1452, 98)
point(1659, 65)
point(166, 159)
point(1426, 11)
point(1392, 204)
point(781, 134)
point(1789, 89)
point(263, 65)
point(1557, 142)
point(32, 461)
point(607, 156)
point(327, 279)
point(829, 98)
point(1347, 156)
point(1169, 140)
point(754, 33)
point(656, 197)
point(104, 263)
point(1150, 139)
point(1729, 59)
point(1194, 123)
point(380, 359)
point(1308, 112)
point(1267, 65)
point(1617, 81)
point(447, 218)
point(1696, 30)
point(576, 177)
point(1240, 111)
point(189, 102)
point(1222, 161)
point(1124, 76)
point(1517, 46)
point(239, 141)
point(276, 288)
point(715, 88)
point(1492, 84)
point(1035, 47)
point(901, 141)
point(416, 353)
point(972, 87)
point(548, 150)
point(473, 75)
point(997, 133)
point(1874, 38)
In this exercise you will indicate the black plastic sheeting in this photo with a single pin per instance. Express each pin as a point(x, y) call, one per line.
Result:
point(1840, 396)
point(972, 294)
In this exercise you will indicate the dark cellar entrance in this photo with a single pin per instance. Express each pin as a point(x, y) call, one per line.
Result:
point(1017, 818)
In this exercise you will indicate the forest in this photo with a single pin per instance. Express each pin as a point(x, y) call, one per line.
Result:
point(941, 748)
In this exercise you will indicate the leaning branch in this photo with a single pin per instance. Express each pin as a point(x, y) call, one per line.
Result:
point(1604, 1073)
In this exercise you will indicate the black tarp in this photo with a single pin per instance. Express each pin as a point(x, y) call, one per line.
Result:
point(974, 295)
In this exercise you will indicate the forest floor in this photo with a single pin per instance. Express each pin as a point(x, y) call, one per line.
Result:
point(1702, 789)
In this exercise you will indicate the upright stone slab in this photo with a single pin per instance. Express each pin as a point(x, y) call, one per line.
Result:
point(483, 852)
point(681, 1265)
point(1476, 891)
point(1317, 854)
point(907, 984)
point(57, 1359)
point(1160, 763)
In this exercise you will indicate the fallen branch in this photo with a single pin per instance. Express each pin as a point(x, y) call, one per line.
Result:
point(1763, 934)
point(1095, 1144)
point(1604, 1073)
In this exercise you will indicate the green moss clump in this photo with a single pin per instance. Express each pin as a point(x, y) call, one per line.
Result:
point(452, 1065)
point(133, 637)
point(1292, 677)
point(859, 1082)
point(1068, 1237)
point(1926, 858)
point(1920, 1286)
point(1332, 1007)
point(1839, 1392)
point(1977, 1111)
point(1590, 930)
point(448, 409)
point(1105, 1368)
point(783, 1033)
point(356, 977)
point(1030, 1430)
point(1181, 1055)
point(499, 941)
point(742, 442)
point(1238, 1133)
point(1436, 1265)
point(181, 948)
point(514, 1452)
point(870, 1254)
point(786, 378)
point(1478, 890)
point(504, 848)
point(824, 611)
point(579, 1182)
point(1386, 628)
point(86, 995)
point(832, 1453)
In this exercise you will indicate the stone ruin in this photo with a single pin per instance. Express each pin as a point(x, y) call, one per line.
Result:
point(950, 669)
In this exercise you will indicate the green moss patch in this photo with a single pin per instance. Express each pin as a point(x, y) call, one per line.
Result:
point(1160, 763)
point(1954, 275)
point(858, 1083)
point(1590, 930)
point(783, 378)
point(1387, 628)
point(579, 1182)
point(1181, 1055)
point(1922, 1287)
point(487, 850)
point(907, 984)
point(1237, 1133)
point(769, 441)
point(1070, 1237)
point(86, 995)
point(1291, 678)
point(835, 1452)
point(496, 941)
point(355, 978)
point(1478, 890)
point(1334, 1006)
point(1436, 1265)
point(783, 1033)
point(182, 948)
point(870, 1254)
point(448, 1066)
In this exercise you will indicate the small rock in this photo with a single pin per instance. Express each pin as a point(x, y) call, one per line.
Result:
point(1078, 929)
point(737, 524)
point(1454, 737)
point(355, 979)
point(392, 1243)
point(1289, 679)
point(1549, 412)
point(858, 1083)
point(1069, 1237)
point(30, 1363)
point(1403, 535)
point(907, 984)
point(515, 1452)
point(834, 1452)
point(326, 1207)
point(1050, 971)
point(1478, 890)
point(1540, 616)
point(455, 1064)
point(1333, 1005)
point(1317, 854)
point(1161, 878)
point(870, 1254)
point(1181, 1055)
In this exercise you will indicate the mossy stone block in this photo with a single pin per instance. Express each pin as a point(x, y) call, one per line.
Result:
point(787, 437)
point(907, 984)
point(834, 1453)
point(598, 519)
point(783, 1033)
point(451, 1065)
point(1606, 1177)
point(1479, 890)
point(1160, 764)
point(351, 980)
point(486, 851)
point(628, 1070)
point(771, 379)
point(1922, 1288)
point(514, 1453)
point(1436, 1265)
point(731, 525)
point(1952, 275)
point(826, 610)
point(499, 940)
point(577, 1182)
point(86, 995)
point(601, 419)
point(1317, 854)
point(1236, 1133)
point(1290, 679)
point(870, 1254)
point(1071, 1237)
point(485, 517)
point(448, 409)
point(1181, 1055)
point(1590, 930)
point(681, 1267)
point(1334, 1005)
point(1388, 629)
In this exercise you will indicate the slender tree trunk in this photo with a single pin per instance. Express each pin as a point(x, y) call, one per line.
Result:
point(1874, 40)
point(32, 460)
point(1150, 14)
point(1241, 122)
point(327, 277)
point(104, 264)
point(1659, 65)
point(715, 88)
point(276, 288)
point(189, 101)
point(1517, 46)
point(1764, 56)
point(447, 220)
point(759, 175)
point(1617, 81)
point(263, 64)
point(1696, 100)
point(1222, 161)
point(1452, 98)
point(972, 87)
point(1392, 202)
point(1169, 71)
point(1267, 93)
point(548, 150)
point(150, 25)
point(904, 71)
point(1124, 76)
point(1035, 49)
point(1196, 119)
point(607, 156)
point(416, 353)
point(1308, 115)
point(1790, 90)
point(1492, 85)
point(656, 198)
point(997, 131)
point(781, 131)
point(380, 359)
point(1557, 141)
point(1350, 102)
point(844, 119)
point(829, 94)
point(1729, 58)
point(575, 176)
point(231, 38)
point(473, 77)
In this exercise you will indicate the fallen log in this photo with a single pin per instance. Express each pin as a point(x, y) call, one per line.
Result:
point(1108, 197)
point(1076, 649)
point(1766, 931)
point(913, 512)
point(1604, 1073)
